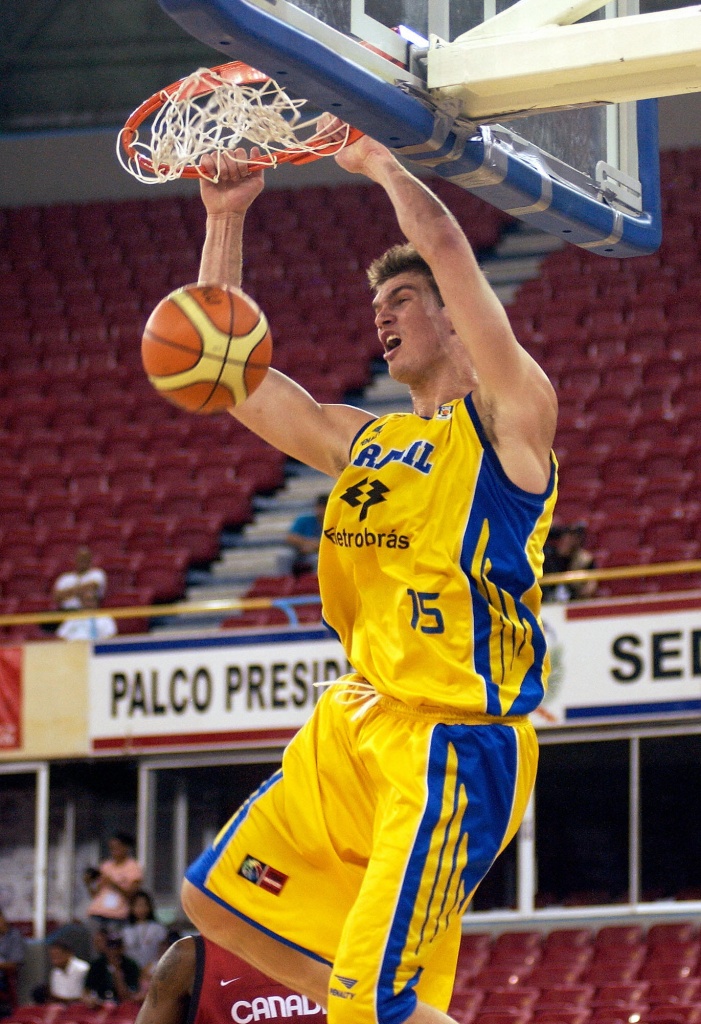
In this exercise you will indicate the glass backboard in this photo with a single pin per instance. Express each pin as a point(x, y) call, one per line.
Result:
point(589, 174)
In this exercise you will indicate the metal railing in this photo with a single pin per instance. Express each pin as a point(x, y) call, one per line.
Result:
point(288, 604)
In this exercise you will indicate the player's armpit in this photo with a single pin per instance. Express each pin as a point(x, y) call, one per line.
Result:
point(290, 419)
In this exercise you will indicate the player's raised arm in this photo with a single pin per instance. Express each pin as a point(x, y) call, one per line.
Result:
point(280, 411)
point(513, 394)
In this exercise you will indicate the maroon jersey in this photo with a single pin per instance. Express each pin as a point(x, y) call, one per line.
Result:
point(227, 990)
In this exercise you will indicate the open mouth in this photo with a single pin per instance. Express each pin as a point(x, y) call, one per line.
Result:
point(392, 342)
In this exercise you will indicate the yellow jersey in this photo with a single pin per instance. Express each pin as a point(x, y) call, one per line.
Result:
point(429, 565)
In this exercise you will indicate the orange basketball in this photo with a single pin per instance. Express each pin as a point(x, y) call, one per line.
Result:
point(206, 347)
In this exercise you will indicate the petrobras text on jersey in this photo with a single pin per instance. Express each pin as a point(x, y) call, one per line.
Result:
point(367, 538)
point(274, 1008)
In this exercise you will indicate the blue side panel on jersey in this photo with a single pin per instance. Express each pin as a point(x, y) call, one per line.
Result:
point(331, 82)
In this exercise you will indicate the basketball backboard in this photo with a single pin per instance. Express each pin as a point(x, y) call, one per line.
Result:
point(588, 174)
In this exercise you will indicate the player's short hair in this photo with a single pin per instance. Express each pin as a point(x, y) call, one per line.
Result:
point(399, 260)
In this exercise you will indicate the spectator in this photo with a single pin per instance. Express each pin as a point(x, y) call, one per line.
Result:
point(11, 960)
point(72, 588)
point(303, 539)
point(112, 977)
point(66, 977)
point(190, 985)
point(114, 884)
point(565, 552)
point(97, 627)
point(76, 935)
point(148, 972)
point(143, 935)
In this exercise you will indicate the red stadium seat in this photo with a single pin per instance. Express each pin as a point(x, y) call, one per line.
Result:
point(502, 1017)
point(563, 1015)
point(666, 970)
point(618, 1014)
point(499, 977)
point(560, 996)
point(231, 502)
point(308, 613)
point(271, 586)
point(686, 990)
point(167, 584)
point(674, 1013)
point(511, 998)
point(306, 583)
point(681, 952)
point(201, 541)
point(466, 1001)
point(610, 972)
point(253, 617)
point(671, 932)
point(472, 942)
point(623, 994)
point(152, 532)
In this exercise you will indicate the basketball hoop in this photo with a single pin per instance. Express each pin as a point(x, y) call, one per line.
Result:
point(212, 111)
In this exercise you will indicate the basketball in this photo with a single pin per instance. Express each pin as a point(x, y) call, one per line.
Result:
point(206, 348)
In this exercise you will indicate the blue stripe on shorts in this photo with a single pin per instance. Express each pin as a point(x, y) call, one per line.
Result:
point(487, 761)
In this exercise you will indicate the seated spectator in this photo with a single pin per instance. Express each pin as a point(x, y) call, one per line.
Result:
point(66, 976)
point(564, 552)
point(147, 972)
point(72, 588)
point(112, 977)
point(97, 627)
point(76, 935)
point(12, 951)
point(303, 540)
point(114, 883)
point(143, 935)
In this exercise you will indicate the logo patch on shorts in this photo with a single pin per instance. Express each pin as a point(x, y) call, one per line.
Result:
point(262, 875)
point(346, 982)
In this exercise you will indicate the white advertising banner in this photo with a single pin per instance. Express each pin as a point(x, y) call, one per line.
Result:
point(622, 661)
point(635, 659)
point(209, 690)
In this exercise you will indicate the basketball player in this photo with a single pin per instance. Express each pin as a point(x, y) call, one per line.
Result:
point(346, 874)
point(196, 982)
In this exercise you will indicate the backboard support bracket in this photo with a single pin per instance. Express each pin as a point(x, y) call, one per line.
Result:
point(506, 74)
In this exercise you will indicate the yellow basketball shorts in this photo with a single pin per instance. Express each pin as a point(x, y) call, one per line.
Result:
point(364, 849)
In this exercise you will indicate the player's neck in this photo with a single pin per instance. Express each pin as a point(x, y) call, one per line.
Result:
point(428, 396)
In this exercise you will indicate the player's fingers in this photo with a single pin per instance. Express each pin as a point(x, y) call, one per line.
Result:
point(255, 165)
point(330, 123)
point(208, 167)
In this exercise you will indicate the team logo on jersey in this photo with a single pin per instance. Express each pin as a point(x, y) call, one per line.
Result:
point(365, 495)
point(444, 412)
point(417, 456)
point(262, 875)
point(373, 434)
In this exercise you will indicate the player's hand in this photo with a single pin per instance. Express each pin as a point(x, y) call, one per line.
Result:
point(228, 182)
point(354, 158)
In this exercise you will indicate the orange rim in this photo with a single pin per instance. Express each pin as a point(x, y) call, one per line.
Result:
point(240, 74)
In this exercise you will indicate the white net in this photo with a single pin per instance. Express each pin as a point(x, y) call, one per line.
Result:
point(208, 113)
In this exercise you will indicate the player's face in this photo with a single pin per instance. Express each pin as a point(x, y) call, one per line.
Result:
point(412, 326)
